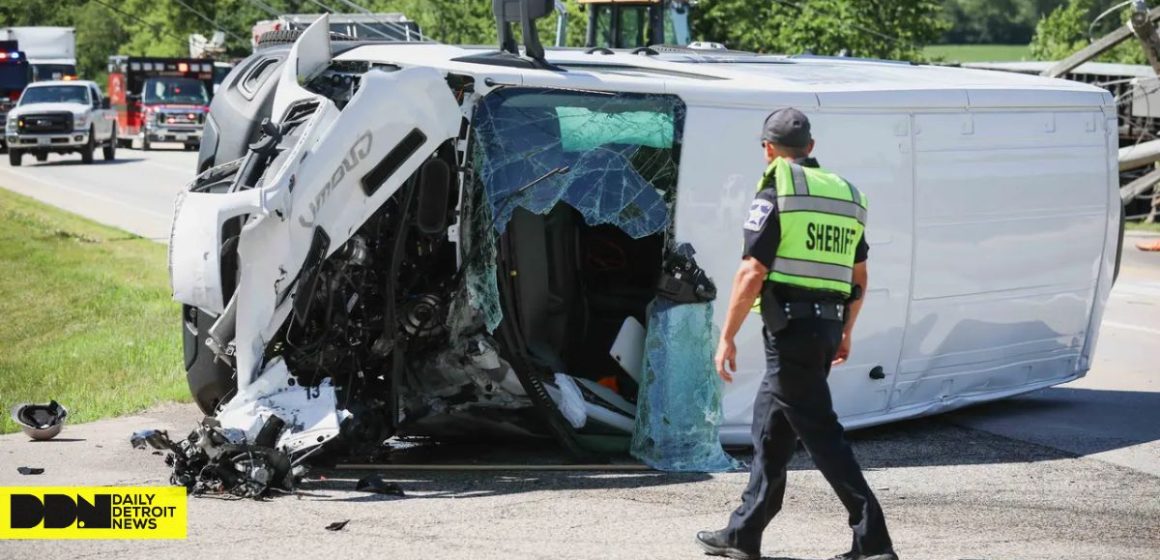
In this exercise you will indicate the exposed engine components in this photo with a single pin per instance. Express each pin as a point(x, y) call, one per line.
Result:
point(355, 251)
point(424, 316)
point(212, 461)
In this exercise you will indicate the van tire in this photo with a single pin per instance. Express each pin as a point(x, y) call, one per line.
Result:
point(14, 157)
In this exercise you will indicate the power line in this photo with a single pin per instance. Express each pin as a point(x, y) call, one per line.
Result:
point(1106, 12)
point(156, 28)
point(406, 31)
point(210, 21)
point(331, 10)
point(266, 7)
point(799, 8)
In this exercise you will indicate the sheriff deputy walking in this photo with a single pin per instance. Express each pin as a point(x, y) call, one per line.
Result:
point(805, 255)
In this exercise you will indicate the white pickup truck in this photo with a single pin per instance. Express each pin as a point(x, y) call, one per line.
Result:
point(61, 117)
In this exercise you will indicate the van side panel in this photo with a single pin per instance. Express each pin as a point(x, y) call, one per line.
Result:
point(873, 151)
point(712, 205)
point(1112, 238)
point(1011, 214)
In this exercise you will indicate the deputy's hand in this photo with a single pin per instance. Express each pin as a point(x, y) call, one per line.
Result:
point(726, 359)
point(843, 350)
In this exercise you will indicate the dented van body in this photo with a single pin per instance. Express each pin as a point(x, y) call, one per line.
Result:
point(424, 236)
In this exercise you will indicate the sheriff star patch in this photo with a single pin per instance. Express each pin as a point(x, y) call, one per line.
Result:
point(758, 213)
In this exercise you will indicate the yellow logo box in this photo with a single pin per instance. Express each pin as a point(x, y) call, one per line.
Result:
point(92, 512)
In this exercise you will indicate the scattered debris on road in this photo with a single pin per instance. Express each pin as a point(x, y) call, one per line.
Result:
point(212, 460)
point(375, 484)
point(337, 525)
point(40, 421)
point(29, 470)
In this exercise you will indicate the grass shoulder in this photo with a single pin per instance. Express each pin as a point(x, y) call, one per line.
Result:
point(1141, 226)
point(978, 53)
point(87, 315)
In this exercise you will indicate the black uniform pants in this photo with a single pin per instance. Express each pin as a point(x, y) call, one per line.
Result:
point(794, 402)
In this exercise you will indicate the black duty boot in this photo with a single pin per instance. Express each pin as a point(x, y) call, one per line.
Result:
point(855, 556)
point(717, 543)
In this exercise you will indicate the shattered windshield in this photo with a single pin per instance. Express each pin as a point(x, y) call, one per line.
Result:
point(611, 156)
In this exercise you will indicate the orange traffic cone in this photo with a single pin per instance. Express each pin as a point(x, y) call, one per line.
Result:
point(1153, 245)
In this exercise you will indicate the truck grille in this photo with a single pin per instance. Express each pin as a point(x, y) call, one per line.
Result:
point(45, 122)
point(177, 118)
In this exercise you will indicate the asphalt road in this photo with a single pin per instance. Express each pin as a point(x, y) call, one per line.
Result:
point(134, 192)
point(1067, 472)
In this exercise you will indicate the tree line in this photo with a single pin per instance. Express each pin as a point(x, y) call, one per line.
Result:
point(895, 29)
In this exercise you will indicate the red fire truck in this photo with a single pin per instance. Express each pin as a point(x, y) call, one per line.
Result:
point(160, 99)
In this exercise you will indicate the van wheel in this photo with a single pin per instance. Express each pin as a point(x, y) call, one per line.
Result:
point(110, 150)
point(14, 156)
point(89, 147)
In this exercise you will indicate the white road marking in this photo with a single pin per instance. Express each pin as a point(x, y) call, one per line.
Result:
point(177, 168)
point(1137, 289)
point(1128, 327)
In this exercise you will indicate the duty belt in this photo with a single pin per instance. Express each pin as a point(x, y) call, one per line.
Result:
point(808, 310)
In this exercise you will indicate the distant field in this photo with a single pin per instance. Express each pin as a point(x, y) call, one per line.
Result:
point(977, 53)
point(1141, 226)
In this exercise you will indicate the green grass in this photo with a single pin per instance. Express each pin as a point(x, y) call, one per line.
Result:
point(1141, 226)
point(85, 316)
point(977, 53)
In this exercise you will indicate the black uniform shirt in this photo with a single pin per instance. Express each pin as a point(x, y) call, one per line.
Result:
point(763, 228)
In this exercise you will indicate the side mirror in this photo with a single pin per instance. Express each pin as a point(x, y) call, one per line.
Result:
point(105, 103)
point(434, 192)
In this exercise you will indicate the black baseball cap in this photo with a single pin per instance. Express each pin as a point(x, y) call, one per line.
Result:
point(787, 127)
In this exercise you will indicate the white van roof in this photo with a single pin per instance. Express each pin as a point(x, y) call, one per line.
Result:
point(736, 78)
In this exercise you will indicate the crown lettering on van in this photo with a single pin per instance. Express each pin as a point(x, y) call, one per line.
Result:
point(358, 151)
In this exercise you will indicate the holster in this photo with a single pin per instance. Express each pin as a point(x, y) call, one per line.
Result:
point(772, 311)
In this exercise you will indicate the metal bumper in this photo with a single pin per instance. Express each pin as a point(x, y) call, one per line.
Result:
point(56, 140)
point(172, 134)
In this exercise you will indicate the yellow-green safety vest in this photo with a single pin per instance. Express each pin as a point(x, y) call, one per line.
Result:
point(822, 220)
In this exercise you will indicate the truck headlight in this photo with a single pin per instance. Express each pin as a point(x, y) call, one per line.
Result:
point(10, 127)
point(80, 122)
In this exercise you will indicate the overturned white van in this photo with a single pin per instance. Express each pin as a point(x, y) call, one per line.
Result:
point(423, 236)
